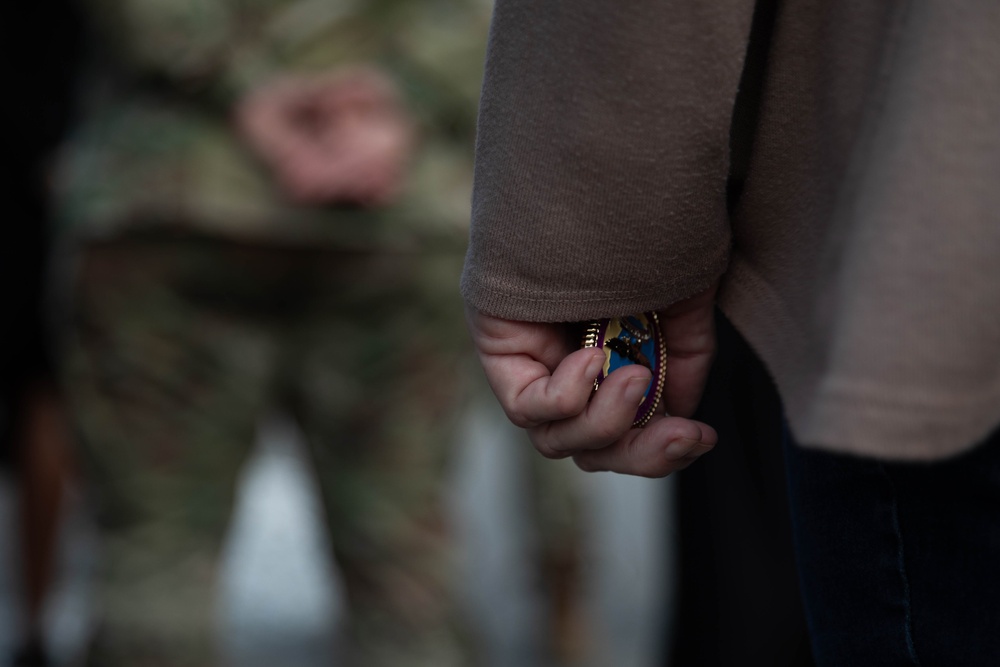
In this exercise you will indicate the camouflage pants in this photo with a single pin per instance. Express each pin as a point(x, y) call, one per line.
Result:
point(178, 347)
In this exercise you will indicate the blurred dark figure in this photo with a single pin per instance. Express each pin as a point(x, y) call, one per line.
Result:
point(39, 44)
point(270, 203)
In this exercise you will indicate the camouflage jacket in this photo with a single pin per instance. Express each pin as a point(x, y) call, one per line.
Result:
point(156, 149)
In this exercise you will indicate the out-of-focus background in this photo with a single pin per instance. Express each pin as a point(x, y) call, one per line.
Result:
point(241, 423)
point(279, 599)
point(241, 420)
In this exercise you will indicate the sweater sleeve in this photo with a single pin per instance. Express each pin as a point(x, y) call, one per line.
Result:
point(602, 156)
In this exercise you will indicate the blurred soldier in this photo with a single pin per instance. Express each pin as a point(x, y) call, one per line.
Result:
point(270, 199)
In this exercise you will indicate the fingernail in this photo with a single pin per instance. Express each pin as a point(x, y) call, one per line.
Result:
point(595, 365)
point(635, 390)
point(678, 449)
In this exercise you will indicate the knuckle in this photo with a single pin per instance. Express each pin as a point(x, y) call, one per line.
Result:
point(550, 453)
point(544, 447)
point(587, 464)
point(604, 430)
point(518, 418)
point(565, 402)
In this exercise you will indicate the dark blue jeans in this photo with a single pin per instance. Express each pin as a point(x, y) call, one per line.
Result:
point(899, 563)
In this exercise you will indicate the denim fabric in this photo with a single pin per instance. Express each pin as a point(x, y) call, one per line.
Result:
point(899, 562)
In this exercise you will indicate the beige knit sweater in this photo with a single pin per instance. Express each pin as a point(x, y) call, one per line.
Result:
point(861, 257)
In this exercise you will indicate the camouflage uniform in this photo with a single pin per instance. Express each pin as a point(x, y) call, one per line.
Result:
point(202, 296)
